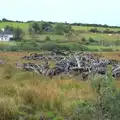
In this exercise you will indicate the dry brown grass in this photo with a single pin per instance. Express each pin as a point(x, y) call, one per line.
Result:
point(18, 89)
point(111, 55)
point(39, 92)
point(55, 95)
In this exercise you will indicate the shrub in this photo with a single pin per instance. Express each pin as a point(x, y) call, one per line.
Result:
point(91, 40)
point(83, 39)
point(106, 103)
point(84, 111)
point(94, 30)
point(47, 38)
point(107, 95)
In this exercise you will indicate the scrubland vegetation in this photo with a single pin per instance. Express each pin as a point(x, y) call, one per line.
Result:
point(27, 96)
point(64, 35)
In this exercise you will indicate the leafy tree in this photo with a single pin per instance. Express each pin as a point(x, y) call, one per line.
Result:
point(18, 33)
point(61, 28)
point(10, 28)
point(45, 24)
point(67, 28)
point(36, 27)
point(4, 20)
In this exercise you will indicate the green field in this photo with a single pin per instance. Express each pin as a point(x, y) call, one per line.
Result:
point(87, 35)
point(24, 26)
point(104, 40)
point(87, 28)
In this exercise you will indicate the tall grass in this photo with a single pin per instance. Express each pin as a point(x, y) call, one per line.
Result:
point(56, 95)
point(23, 94)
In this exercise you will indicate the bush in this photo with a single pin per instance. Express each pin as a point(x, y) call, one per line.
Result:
point(84, 111)
point(83, 39)
point(91, 40)
point(47, 38)
point(95, 30)
point(106, 104)
point(107, 95)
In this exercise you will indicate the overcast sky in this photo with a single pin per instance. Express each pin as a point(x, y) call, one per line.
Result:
point(83, 11)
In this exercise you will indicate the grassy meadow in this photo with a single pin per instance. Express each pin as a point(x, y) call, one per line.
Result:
point(27, 96)
point(86, 34)
point(87, 28)
point(25, 26)
point(30, 95)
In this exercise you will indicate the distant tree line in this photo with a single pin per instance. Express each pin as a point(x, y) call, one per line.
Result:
point(73, 24)
point(6, 20)
point(94, 25)
point(107, 31)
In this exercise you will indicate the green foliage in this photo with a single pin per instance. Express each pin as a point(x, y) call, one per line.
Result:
point(106, 104)
point(107, 49)
point(83, 111)
point(94, 30)
point(107, 94)
point(45, 24)
point(36, 26)
point(29, 46)
point(47, 38)
point(8, 27)
point(67, 28)
point(39, 27)
point(18, 34)
point(91, 40)
point(50, 46)
point(83, 39)
point(61, 28)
